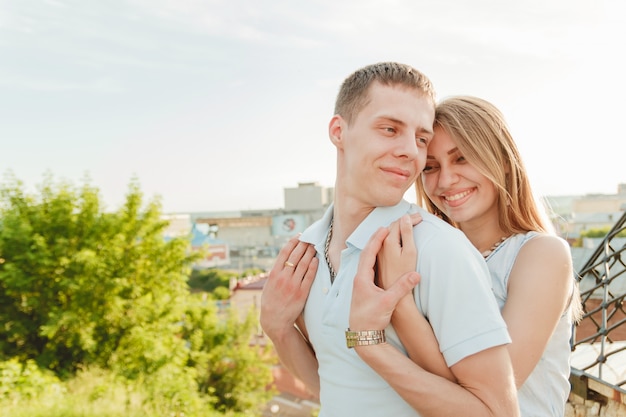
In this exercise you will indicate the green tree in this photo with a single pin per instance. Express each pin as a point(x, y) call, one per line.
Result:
point(210, 279)
point(83, 287)
point(80, 286)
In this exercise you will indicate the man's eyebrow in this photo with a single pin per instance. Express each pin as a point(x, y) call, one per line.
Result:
point(401, 123)
point(391, 119)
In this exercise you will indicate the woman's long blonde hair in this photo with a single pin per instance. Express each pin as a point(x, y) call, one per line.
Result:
point(483, 138)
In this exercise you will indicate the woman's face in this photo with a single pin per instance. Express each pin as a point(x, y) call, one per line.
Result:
point(454, 185)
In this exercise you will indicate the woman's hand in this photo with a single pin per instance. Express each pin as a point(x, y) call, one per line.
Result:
point(398, 254)
point(287, 287)
point(372, 306)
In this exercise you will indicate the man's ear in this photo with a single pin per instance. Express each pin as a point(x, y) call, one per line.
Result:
point(335, 130)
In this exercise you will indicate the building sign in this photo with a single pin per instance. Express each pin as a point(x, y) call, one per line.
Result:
point(215, 255)
point(288, 224)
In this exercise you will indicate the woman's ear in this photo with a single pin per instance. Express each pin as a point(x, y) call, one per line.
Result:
point(335, 130)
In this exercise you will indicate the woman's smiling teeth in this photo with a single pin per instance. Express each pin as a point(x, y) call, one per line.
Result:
point(458, 196)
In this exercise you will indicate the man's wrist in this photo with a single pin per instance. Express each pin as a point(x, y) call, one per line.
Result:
point(364, 337)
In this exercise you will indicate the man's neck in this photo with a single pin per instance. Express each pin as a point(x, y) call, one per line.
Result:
point(345, 221)
point(346, 218)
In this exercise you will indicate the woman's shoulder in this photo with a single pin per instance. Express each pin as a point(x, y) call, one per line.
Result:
point(545, 243)
point(546, 252)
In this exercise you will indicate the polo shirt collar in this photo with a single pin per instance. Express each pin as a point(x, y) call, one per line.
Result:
point(380, 216)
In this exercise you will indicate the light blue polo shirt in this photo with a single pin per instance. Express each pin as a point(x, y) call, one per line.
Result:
point(454, 294)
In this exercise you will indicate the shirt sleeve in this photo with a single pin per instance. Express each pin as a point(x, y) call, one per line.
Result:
point(455, 294)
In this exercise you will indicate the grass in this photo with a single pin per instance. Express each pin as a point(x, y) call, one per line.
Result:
point(97, 393)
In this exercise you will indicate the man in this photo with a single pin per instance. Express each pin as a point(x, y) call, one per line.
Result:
point(382, 125)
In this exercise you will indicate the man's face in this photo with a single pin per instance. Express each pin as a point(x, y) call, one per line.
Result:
point(384, 149)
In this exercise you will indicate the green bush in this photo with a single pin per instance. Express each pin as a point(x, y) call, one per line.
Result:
point(210, 279)
point(81, 286)
point(228, 367)
point(100, 393)
point(25, 381)
point(85, 288)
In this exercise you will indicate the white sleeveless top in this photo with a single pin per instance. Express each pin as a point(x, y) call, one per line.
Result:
point(547, 388)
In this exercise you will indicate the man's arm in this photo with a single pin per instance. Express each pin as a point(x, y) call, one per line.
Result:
point(485, 386)
point(282, 303)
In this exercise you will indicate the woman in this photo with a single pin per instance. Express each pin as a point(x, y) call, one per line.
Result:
point(475, 179)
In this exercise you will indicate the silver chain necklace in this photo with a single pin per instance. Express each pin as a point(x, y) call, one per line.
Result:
point(333, 274)
point(494, 246)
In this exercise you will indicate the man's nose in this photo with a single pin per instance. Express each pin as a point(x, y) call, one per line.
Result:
point(407, 146)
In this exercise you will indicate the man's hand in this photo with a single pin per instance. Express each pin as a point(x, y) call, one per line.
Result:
point(287, 287)
point(372, 306)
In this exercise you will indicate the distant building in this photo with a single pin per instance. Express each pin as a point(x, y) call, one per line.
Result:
point(601, 203)
point(573, 215)
point(308, 197)
point(254, 237)
point(583, 221)
point(216, 252)
point(246, 298)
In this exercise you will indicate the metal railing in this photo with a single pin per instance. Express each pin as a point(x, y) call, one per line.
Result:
point(599, 340)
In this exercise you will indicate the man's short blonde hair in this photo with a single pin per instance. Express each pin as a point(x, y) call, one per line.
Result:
point(353, 94)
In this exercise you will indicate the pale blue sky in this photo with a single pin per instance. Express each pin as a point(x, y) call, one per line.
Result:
point(220, 104)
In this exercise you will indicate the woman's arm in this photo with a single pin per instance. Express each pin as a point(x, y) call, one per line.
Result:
point(398, 256)
point(485, 385)
point(539, 288)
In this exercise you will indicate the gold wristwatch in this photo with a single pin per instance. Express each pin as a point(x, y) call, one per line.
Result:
point(364, 337)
